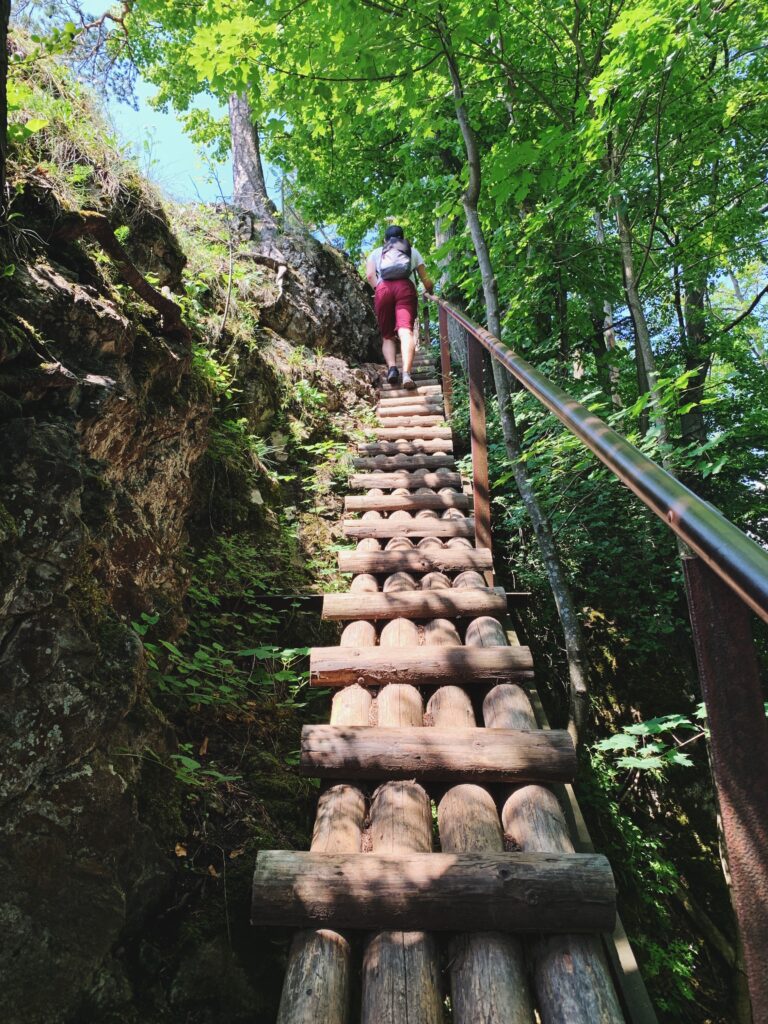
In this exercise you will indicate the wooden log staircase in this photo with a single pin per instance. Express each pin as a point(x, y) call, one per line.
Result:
point(432, 706)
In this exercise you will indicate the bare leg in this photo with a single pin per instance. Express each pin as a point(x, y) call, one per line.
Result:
point(407, 347)
point(389, 351)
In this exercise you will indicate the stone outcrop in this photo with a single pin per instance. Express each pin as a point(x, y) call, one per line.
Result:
point(104, 427)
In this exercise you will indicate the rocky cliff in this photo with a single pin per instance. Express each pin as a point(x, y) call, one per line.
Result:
point(118, 453)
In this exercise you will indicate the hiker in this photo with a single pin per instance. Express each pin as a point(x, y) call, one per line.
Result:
point(390, 271)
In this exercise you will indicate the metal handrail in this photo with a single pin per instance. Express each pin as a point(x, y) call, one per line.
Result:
point(734, 556)
point(727, 579)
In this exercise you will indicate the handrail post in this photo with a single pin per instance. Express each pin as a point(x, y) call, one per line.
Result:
point(480, 487)
point(445, 362)
point(738, 747)
point(425, 324)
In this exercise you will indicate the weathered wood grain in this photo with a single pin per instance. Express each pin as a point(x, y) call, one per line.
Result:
point(411, 433)
point(414, 419)
point(420, 604)
point(411, 503)
point(438, 560)
point(397, 479)
point(373, 448)
point(423, 387)
point(513, 892)
point(483, 755)
point(386, 528)
point(488, 975)
point(420, 666)
point(571, 978)
point(385, 463)
point(485, 631)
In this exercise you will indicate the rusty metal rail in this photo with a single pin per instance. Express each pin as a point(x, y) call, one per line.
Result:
point(726, 576)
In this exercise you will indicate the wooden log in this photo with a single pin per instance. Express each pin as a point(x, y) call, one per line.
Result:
point(485, 631)
point(411, 528)
point(516, 892)
point(432, 544)
point(413, 420)
point(317, 979)
point(507, 707)
point(469, 578)
point(420, 666)
point(399, 582)
point(402, 478)
point(482, 755)
point(440, 559)
point(449, 707)
point(398, 633)
point(435, 581)
point(417, 409)
point(431, 402)
point(399, 543)
point(374, 448)
point(400, 705)
point(571, 978)
point(368, 544)
point(401, 971)
point(411, 433)
point(423, 387)
point(351, 706)
point(364, 584)
point(318, 973)
point(382, 463)
point(488, 976)
point(442, 633)
point(411, 503)
point(358, 634)
point(420, 604)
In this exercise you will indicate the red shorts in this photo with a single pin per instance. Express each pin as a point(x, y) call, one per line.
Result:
point(396, 305)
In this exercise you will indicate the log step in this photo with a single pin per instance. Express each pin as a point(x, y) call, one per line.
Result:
point(419, 666)
point(412, 398)
point(402, 478)
point(423, 387)
point(405, 462)
point(416, 604)
point(373, 448)
point(411, 503)
point(418, 527)
point(438, 755)
point(520, 892)
point(387, 412)
point(417, 420)
point(432, 560)
point(411, 433)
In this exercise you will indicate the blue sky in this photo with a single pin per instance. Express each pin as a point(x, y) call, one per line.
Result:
point(164, 152)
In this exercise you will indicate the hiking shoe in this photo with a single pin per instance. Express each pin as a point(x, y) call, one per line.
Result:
point(408, 382)
point(393, 375)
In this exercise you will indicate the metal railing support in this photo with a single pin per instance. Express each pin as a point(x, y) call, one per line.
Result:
point(480, 485)
point(445, 362)
point(738, 748)
point(727, 579)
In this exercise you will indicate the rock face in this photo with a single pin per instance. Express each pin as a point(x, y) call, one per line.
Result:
point(104, 425)
point(324, 303)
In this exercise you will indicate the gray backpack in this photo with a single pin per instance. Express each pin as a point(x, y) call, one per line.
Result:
point(395, 262)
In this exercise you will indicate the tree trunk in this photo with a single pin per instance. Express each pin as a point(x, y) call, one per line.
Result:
point(558, 580)
point(608, 333)
point(697, 360)
point(446, 228)
point(250, 189)
point(645, 358)
point(5, 14)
